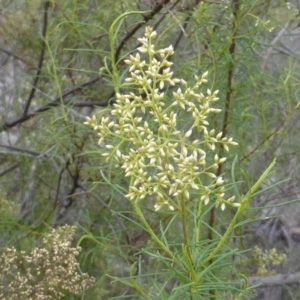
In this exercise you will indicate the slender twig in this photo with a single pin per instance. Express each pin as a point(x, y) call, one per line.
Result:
point(41, 60)
point(57, 190)
point(279, 279)
point(178, 22)
point(23, 150)
point(9, 169)
point(156, 24)
point(274, 42)
point(273, 133)
point(185, 23)
point(130, 33)
point(75, 185)
point(90, 103)
point(287, 51)
point(53, 103)
point(9, 53)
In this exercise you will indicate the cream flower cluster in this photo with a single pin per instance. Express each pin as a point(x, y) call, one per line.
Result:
point(49, 272)
point(165, 148)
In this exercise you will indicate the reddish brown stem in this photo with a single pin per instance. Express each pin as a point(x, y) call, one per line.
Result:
point(226, 114)
point(227, 100)
point(41, 60)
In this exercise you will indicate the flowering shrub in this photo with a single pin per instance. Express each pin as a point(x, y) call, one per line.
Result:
point(168, 150)
point(47, 273)
point(165, 160)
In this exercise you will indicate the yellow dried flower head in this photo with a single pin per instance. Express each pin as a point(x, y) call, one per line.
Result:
point(266, 259)
point(46, 273)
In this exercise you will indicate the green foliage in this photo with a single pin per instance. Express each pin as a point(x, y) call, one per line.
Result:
point(65, 60)
point(166, 163)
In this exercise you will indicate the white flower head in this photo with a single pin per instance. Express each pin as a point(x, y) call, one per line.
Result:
point(151, 136)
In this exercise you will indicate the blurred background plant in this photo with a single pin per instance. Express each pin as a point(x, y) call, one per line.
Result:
point(50, 55)
point(47, 272)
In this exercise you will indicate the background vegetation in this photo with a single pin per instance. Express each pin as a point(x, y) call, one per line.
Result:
point(52, 56)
